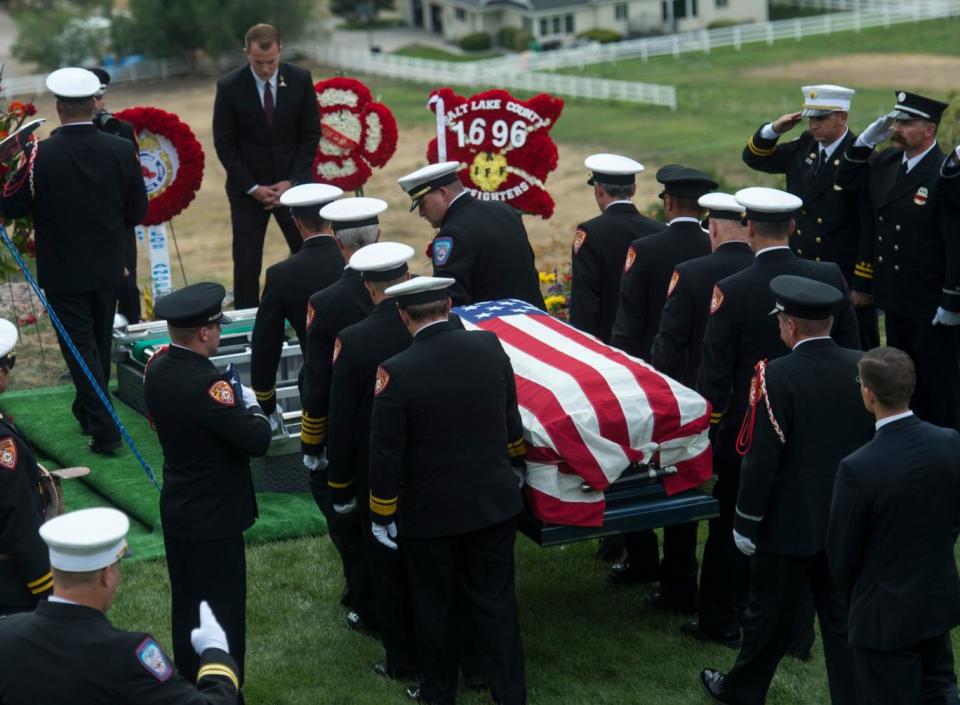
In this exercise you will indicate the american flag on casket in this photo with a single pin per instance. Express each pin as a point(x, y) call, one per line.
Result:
point(589, 411)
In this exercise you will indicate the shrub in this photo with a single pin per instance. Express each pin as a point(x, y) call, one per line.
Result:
point(604, 36)
point(478, 41)
point(514, 38)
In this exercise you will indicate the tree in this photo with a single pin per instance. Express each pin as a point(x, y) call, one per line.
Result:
point(166, 28)
point(357, 11)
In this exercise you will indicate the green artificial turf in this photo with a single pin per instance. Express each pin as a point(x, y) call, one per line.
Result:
point(44, 416)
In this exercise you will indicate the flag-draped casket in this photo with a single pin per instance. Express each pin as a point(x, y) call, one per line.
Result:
point(589, 411)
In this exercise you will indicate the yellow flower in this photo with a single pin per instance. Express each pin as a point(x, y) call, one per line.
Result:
point(547, 277)
point(555, 302)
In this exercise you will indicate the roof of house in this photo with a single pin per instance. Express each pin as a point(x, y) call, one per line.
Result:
point(529, 5)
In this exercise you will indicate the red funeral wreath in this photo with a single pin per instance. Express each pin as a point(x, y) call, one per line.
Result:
point(355, 133)
point(172, 190)
point(503, 145)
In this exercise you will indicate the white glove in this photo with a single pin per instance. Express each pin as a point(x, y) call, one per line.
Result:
point(385, 534)
point(877, 131)
point(957, 153)
point(274, 422)
point(348, 507)
point(744, 545)
point(312, 462)
point(209, 635)
point(249, 396)
point(520, 477)
point(946, 318)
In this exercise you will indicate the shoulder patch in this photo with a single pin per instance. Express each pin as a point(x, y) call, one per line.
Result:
point(442, 247)
point(222, 393)
point(311, 314)
point(8, 453)
point(579, 237)
point(383, 379)
point(336, 349)
point(674, 279)
point(631, 258)
point(716, 300)
point(152, 658)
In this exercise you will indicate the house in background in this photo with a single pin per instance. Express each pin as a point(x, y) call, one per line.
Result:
point(557, 22)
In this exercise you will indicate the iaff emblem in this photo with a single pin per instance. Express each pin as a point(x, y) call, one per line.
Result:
point(158, 162)
point(631, 258)
point(716, 300)
point(383, 379)
point(920, 197)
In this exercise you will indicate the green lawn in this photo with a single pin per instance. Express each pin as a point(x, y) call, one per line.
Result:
point(422, 51)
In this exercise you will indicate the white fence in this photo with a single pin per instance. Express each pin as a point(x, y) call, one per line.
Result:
point(523, 71)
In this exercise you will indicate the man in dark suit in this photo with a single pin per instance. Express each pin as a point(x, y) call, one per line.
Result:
point(128, 295)
point(358, 351)
point(600, 244)
point(676, 352)
point(805, 416)
point(908, 262)
point(25, 575)
point(738, 335)
point(266, 128)
point(893, 526)
point(96, 662)
point(828, 224)
point(647, 270)
point(481, 244)
point(208, 431)
point(446, 490)
point(330, 310)
point(289, 285)
point(84, 190)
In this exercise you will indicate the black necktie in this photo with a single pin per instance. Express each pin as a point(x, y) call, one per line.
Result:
point(821, 158)
point(901, 172)
point(268, 102)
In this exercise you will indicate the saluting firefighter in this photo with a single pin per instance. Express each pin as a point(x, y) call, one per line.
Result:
point(676, 352)
point(600, 244)
point(208, 436)
point(290, 284)
point(25, 576)
point(356, 224)
point(643, 291)
point(358, 351)
point(445, 489)
point(829, 223)
point(481, 244)
point(68, 652)
point(738, 335)
point(908, 261)
point(805, 416)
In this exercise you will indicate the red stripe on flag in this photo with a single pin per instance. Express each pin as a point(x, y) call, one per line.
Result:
point(663, 403)
point(612, 422)
point(543, 404)
point(690, 473)
point(551, 510)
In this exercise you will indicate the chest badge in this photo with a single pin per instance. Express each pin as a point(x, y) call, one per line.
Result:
point(8, 453)
point(920, 197)
point(222, 393)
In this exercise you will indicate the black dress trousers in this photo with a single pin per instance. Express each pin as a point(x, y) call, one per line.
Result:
point(918, 673)
point(88, 319)
point(249, 221)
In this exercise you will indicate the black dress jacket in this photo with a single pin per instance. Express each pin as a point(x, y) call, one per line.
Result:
point(893, 526)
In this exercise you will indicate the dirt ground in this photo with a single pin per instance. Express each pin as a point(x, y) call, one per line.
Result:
point(203, 229)
point(919, 71)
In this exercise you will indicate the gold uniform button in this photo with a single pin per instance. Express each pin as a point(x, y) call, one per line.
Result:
point(799, 231)
point(897, 228)
point(799, 252)
point(803, 211)
point(879, 238)
point(817, 258)
point(896, 267)
point(880, 259)
point(880, 218)
point(819, 221)
point(896, 248)
point(819, 240)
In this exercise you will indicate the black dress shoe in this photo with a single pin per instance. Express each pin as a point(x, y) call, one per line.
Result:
point(623, 573)
point(611, 548)
point(714, 686)
point(381, 669)
point(661, 602)
point(356, 623)
point(693, 630)
point(104, 447)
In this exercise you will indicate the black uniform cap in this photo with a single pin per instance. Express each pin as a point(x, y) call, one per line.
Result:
point(192, 306)
point(911, 106)
point(805, 298)
point(682, 181)
point(104, 77)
